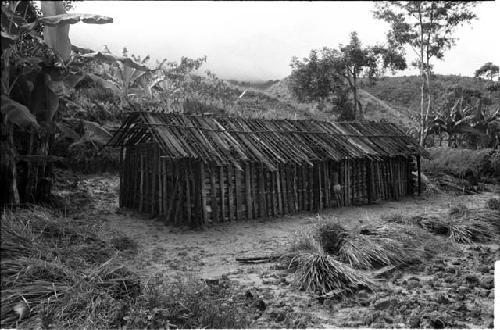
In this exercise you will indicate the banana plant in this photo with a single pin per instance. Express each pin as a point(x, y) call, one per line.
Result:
point(467, 121)
point(33, 65)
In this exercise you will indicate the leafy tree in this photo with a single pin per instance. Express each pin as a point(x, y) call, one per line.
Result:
point(427, 27)
point(333, 75)
point(487, 70)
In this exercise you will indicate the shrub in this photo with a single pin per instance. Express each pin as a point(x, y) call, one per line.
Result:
point(463, 162)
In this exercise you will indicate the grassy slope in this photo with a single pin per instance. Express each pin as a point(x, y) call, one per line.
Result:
point(393, 99)
point(404, 92)
point(375, 108)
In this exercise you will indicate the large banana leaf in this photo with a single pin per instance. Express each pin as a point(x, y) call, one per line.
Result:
point(104, 83)
point(8, 39)
point(64, 18)
point(56, 36)
point(57, 23)
point(17, 114)
point(93, 133)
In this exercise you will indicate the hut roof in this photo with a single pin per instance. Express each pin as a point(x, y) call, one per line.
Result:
point(225, 140)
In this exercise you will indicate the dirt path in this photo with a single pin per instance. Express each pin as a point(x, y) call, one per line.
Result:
point(210, 254)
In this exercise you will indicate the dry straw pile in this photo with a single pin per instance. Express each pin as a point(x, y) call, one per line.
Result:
point(53, 274)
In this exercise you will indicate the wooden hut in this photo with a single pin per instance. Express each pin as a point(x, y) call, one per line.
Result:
point(192, 170)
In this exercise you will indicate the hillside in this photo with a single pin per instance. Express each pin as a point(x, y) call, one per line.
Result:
point(404, 92)
point(375, 108)
point(393, 99)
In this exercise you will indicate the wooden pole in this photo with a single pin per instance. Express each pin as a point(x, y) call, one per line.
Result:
point(237, 179)
point(222, 194)
point(368, 179)
point(279, 191)
point(419, 176)
point(248, 189)
point(230, 192)
point(141, 185)
point(213, 200)
point(188, 173)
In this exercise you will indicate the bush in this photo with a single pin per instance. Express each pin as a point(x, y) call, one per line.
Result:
point(463, 162)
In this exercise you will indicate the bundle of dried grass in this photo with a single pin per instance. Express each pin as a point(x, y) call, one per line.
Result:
point(27, 283)
point(461, 224)
point(322, 274)
point(330, 236)
point(14, 245)
point(367, 252)
point(366, 248)
point(116, 280)
point(51, 278)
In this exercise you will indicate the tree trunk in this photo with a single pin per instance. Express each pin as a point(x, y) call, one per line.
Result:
point(422, 119)
point(357, 112)
point(421, 66)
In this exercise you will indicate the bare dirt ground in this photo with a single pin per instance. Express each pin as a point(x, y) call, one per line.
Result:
point(454, 288)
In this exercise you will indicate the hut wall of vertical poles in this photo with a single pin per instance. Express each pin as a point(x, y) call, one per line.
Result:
point(194, 170)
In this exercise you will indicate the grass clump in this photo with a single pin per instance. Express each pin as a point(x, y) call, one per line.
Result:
point(365, 248)
point(365, 252)
point(329, 260)
point(322, 274)
point(460, 224)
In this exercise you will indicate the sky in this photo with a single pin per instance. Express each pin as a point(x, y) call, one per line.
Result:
point(256, 40)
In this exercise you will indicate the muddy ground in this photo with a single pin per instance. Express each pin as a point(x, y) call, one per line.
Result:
point(452, 288)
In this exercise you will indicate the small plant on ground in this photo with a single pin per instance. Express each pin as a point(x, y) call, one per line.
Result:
point(184, 303)
point(493, 204)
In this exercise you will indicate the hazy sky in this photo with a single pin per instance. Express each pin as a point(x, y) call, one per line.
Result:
point(256, 40)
